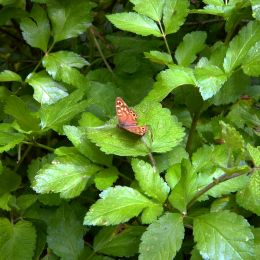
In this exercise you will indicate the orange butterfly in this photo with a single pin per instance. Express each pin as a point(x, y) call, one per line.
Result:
point(127, 118)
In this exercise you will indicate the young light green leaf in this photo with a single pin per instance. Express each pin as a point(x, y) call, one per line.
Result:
point(256, 232)
point(223, 235)
point(256, 9)
point(64, 110)
point(9, 138)
point(163, 238)
point(254, 153)
point(61, 66)
point(250, 64)
point(36, 28)
point(174, 14)
point(46, 90)
point(210, 79)
point(66, 227)
point(249, 197)
point(120, 241)
point(185, 189)
point(241, 44)
point(78, 137)
point(168, 80)
point(8, 75)
point(135, 23)
point(17, 242)
point(150, 181)
point(166, 133)
point(67, 175)
point(117, 205)
point(150, 8)
point(105, 178)
point(159, 57)
point(17, 108)
point(192, 44)
point(69, 19)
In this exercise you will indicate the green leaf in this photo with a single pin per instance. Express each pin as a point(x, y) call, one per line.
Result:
point(67, 175)
point(210, 79)
point(250, 64)
point(174, 14)
point(61, 66)
point(164, 133)
point(121, 241)
point(159, 57)
point(64, 226)
point(151, 214)
point(46, 90)
point(185, 189)
point(36, 28)
point(192, 44)
point(117, 205)
point(8, 75)
point(249, 197)
point(69, 19)
point(173, 175)
point(25, 201)
point(168, 80)
point(5, 200)
point(241, 44)
point(150, 8)
point(9, 181)
point(78, 137)
point(64, 110)
point(254, 153)
point(17, 108)
point(163, 238)
point(135, 23)
point(17, 242)
point(217, 236)
point(232, 89)
point(150, 181)
point(105, 178)
point(256, 9)
point(8, 137)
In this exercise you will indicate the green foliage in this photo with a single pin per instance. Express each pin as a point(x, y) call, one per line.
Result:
point(75, 184)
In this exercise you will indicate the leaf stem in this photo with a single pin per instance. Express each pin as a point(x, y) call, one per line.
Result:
point(164, 38)
point(222, 178)
point(192, 132)
point(39, 145)
point(20, 160)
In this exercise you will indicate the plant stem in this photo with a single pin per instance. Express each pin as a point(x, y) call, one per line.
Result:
point(192, 132)
point(39, 145)
point(19, 162)
point(222, 178)
point(152, 161)
point(164, 38)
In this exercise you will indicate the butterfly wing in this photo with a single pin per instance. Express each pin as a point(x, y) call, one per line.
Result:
point(126, 116)
point(139, 130)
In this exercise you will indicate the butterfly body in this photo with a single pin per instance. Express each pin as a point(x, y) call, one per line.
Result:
point(127, 118)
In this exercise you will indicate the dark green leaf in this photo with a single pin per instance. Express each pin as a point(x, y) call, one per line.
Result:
point(64, 226)
point(17, 242)
point(9, 181)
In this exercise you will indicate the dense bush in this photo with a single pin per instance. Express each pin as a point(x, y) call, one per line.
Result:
point(75, 183)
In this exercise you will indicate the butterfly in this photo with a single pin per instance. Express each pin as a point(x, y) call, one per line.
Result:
point(127, 118)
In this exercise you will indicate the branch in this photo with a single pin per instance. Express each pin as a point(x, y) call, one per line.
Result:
point(222, 178)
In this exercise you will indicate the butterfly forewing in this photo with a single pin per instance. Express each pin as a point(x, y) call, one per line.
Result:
point(127, 118)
